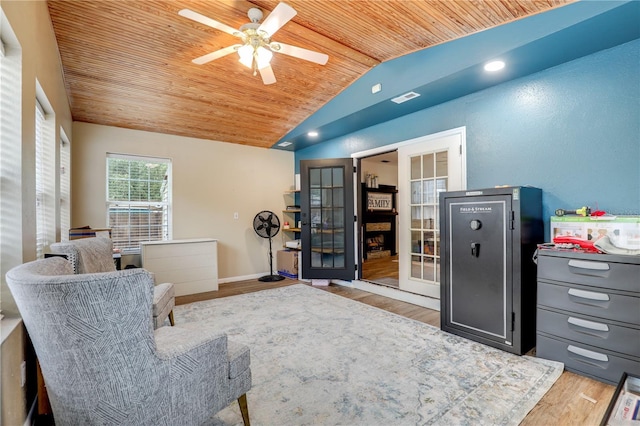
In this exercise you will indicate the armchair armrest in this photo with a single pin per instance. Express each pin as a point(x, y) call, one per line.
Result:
point(198, 370)
point(172, 342)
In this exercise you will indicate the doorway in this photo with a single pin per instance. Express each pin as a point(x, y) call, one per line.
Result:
point(423, 168)
point(379, 224)
point(426, 166)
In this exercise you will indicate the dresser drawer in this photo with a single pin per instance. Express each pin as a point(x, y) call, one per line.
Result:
point(590, 271)
point(590, 302)
point(590, 331)
point(584, 359)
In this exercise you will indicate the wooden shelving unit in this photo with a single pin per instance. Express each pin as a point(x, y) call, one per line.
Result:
point(292, 216)
point(379, 221)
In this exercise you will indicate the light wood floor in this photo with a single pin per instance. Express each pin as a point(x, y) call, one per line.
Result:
point(383, 267)
point(562, 405)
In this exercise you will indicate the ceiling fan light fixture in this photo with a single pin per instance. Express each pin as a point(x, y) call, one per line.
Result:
point(246, 55)
point(256, 49)
point(254, 57)
point(263, 57)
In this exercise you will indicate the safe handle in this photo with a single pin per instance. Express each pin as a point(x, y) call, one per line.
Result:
point(475, 249)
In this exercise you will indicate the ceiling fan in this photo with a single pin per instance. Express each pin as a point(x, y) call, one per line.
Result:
point(256, 48)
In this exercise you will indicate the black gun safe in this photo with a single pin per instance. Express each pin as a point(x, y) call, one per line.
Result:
point(488, 276)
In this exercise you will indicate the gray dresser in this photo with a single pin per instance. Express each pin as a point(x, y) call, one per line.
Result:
point(588, 313)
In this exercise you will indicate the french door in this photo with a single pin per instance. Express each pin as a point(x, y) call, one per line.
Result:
point(426, 168)
point(328, 223)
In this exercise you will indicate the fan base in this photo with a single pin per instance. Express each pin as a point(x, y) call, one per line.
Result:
point(271, 278)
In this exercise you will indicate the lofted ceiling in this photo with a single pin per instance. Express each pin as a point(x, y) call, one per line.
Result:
point(128, 63)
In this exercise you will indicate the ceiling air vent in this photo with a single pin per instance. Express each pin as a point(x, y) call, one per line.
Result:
point(406, 97)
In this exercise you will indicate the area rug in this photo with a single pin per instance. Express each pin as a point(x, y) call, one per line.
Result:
point(322, 359)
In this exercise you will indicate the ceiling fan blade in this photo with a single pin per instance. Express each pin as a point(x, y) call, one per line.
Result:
point(195, 16)
point(299, 52)
point(217, 54)
point(277, 18)
point(267, 75)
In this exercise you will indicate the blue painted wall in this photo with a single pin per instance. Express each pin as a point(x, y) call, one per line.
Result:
point(572, 130)
point(531, 45)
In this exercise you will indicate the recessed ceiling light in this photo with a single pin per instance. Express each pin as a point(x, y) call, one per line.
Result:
point(494, 66)
point(313, 134)
point(285, 143)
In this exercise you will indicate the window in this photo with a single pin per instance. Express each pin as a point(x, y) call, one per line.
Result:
point(138, 200)
point(65, 187)
point(10, 160)
point(45, 181)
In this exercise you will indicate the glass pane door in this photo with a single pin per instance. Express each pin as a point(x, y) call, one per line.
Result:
point(428, 179)
point(327, 206)
point(425, 169)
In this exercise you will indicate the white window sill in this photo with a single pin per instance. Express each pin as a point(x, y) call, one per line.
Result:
point(130, 252)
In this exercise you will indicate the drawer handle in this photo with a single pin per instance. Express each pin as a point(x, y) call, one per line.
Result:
point(588, 324)
point(583, 264)
point(588, 354)
point(588, 295)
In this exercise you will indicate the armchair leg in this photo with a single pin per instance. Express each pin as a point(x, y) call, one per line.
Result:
point(244, 409)
point(171, 318)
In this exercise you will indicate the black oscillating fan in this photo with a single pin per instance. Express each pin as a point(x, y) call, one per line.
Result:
point(266, 224)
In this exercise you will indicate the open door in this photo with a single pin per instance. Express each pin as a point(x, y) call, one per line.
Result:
point(328, 220)
point(427, 167)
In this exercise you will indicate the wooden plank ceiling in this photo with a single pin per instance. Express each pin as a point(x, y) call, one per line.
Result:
point(128, 63)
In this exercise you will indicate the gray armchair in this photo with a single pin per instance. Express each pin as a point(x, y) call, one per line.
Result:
point(105, 364)
point(91, 255)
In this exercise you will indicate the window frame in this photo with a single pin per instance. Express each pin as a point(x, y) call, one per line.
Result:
point(45, 178)
point(130, 245)
point(65, 186)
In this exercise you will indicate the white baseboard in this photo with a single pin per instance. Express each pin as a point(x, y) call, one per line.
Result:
point(392, 293)
point(242, 278)
point(248, 277)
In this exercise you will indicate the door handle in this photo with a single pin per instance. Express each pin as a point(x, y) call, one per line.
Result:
point(475, 249)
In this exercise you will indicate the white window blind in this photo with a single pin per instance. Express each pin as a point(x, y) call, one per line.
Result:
point(10, 161)
point(138, 200)
point(65, 189)
point(45, 182)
